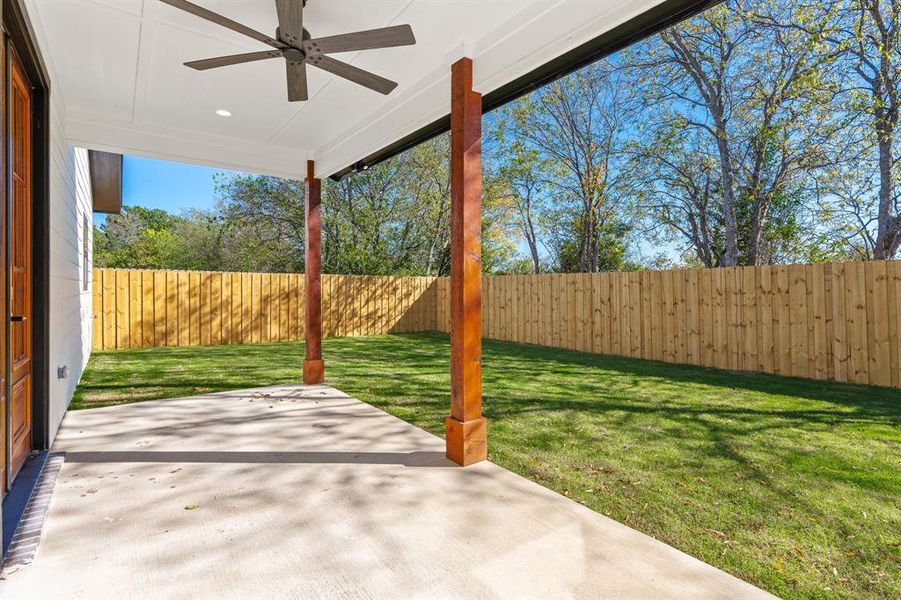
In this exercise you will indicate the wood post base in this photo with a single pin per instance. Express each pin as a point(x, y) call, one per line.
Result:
point(467, 441)
point(313, 371)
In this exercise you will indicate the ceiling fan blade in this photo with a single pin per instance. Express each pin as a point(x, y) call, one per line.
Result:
point(355, 74)
point(234, 59)
point(224, 21)
point(290, 21)
point(386, 37)
point(297, 81)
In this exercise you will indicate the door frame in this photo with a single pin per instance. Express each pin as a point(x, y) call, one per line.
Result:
point(18, 37)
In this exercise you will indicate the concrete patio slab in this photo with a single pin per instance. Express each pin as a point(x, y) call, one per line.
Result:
point(302, 491)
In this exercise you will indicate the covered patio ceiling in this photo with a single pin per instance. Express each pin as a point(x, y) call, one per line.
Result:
point(117, 65)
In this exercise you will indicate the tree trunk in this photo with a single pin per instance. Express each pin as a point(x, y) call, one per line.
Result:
point(757, 222)
point(584, 237)
point(730, 223)
point(888, 234)
point(532, 240)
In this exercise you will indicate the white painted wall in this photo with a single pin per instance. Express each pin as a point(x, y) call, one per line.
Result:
point(70, 295)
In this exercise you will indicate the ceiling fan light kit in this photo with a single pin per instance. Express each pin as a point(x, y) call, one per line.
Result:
point(294, 43)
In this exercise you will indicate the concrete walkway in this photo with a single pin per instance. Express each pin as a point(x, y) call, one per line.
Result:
point(304, 492)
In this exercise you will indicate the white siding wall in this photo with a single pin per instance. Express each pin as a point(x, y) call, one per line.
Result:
point(70, 298)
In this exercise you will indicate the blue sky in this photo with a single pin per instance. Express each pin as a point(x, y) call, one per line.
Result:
point(168, 185)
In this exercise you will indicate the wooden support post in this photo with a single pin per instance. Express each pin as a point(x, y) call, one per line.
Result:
point(466, 431)
point(313, 367)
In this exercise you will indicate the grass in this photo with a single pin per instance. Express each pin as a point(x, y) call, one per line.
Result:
point(790, 484)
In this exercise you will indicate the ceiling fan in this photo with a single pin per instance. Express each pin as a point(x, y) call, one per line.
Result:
point(293, 43)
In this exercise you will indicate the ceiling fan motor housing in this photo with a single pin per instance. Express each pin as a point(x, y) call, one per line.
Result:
point(294, 56)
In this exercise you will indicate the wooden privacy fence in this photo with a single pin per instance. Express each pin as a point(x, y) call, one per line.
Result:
point(825, 321)
point(144, 308)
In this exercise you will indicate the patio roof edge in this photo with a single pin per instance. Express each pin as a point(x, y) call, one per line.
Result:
point(654, 20)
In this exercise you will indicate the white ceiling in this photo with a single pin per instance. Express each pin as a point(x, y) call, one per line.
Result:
point(118, 66)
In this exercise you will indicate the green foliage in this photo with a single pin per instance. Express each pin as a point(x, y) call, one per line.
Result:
point(137, 238)
point(611, 252)
point(393, 217)
point(260, 222)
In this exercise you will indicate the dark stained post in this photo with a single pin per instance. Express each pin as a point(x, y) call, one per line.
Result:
point(466, 431)
point(313, 367)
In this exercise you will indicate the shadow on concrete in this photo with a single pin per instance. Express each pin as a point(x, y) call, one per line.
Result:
point(406, 459)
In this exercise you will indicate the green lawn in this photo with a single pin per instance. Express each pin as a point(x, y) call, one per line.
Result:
point(790, 484)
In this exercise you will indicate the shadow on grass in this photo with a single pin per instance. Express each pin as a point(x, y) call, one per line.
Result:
point(509, 368)
point(412, 369)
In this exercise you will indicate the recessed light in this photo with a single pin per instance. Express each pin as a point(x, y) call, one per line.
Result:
point(223, 113)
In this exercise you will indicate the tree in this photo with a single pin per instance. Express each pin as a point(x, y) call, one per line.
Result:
point(677, 183)
point(574, 130)
point(429, 164)
point(138, 237)
point(846, 215)
point(872, 36)
point(746, 100)
point(392, 217)
point(868, 32)
point(522, 174)
point(202, 243)
point(260, 222)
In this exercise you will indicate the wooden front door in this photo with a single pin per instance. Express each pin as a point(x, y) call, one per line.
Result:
point(20, 264)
